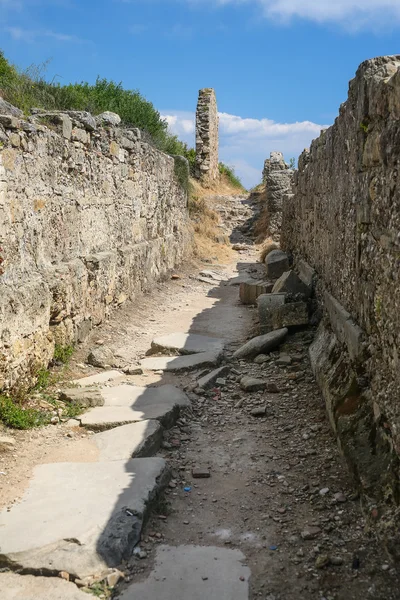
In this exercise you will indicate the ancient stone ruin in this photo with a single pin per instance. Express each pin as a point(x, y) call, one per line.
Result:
point(278, 183)
point(344, 221)
point(90, 214)
point(207, 137)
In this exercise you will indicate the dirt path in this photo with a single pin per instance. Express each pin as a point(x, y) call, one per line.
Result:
point(278, 518)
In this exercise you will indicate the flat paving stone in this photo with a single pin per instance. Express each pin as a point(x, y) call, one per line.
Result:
point(182, 363)
point(129, 441)
point(194, 572)
point(186, 343)
point(80, 517)
point(98, 378)
point(125, 404)
point(29, 587)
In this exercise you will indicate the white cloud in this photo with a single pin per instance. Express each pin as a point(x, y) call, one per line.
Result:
point(31, 35)
point(353, 14)
point(245, 143)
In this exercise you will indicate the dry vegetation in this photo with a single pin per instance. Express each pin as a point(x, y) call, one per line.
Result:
point(210, 241)
point(266, 248)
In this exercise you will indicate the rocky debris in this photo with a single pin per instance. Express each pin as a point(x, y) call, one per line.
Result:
point(7, 442)
point(8, 109)
point(310, 532)
point(129, 404)
point(81, 518)
point(201, 473)
point(249, 291)
point(101, 357)
point(261, 359)
point(186, 343)
point(108, 118)
point(133, 370)
point(259, 411)
point(251, 384)
point(84, 397)
point(290, 283)
point(277, 263)
point(207, 381)
point(261, 344)
point(29, 587)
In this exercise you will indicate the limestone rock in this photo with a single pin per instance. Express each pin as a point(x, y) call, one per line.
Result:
point(267, 305)
point(277, 262)
point(85, 397)
point(261, 344)
point(101, 357)
point(290, 283)
point(8, 109)
point(84, 118)
point(252, 384)
point(6, 443)
point(108, 118)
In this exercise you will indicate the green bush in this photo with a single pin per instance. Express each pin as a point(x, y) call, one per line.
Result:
point(62, 354)
point(229, 173)
point(13, 415)
point(28, 89)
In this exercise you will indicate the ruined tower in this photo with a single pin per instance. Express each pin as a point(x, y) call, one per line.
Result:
point(207, 136)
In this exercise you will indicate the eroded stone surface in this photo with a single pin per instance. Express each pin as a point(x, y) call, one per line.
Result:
point(183, 363)
point(80, 517)
point(129, 404)
point(186, 343)
point(98, 378)
point(29, 587)
point(194, 572)
point(129, 441)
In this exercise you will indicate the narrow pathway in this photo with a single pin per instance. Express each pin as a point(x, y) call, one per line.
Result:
point(226, 493)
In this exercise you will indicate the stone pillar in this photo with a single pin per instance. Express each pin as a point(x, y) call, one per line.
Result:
point(278, 180)
point(207, 137)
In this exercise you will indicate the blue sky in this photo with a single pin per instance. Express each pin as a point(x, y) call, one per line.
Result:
point(280, 68)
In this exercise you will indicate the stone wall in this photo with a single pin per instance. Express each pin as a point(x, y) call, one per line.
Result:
point(344, 219)
point(207, 137)
point(90, 215)
point(278, 183)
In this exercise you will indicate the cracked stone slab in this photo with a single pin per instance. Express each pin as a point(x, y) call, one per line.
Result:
point(183, 363)
point(194, 572)
point(125, 404)
point(98, 378)
point(129, 441)
point(186, 343)
point(80, 517)
point(29, 587)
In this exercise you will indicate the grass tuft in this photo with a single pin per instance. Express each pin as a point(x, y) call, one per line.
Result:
point(15, 416)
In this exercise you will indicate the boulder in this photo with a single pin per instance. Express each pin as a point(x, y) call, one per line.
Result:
point(277, 262)
point(101, 357)
point(261, 344)
point(8, 109)
point(108, 118)
point(290, 283)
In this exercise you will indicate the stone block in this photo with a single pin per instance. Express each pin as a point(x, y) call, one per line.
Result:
point(277, 262)
point(347, 332)
point(290, 283)
point(306, 273)
point(267, 304)
point(249, 291)
point(294, 314)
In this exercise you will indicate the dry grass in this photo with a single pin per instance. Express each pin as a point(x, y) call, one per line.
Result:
point(210, 242)
point(258, 194)
point(267, 247)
